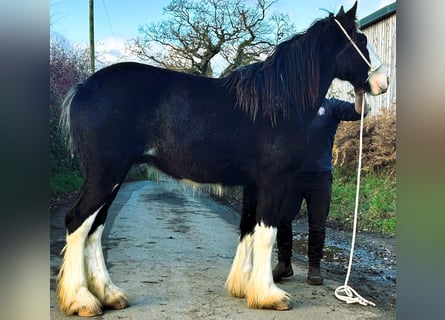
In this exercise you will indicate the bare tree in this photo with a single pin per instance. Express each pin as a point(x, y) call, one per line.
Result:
point(200, 30)
point(68, 66)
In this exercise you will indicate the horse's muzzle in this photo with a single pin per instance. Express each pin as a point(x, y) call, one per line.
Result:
point(378, 81)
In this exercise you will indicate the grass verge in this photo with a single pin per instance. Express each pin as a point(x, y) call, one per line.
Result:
point(377, 202)
point(62, 183)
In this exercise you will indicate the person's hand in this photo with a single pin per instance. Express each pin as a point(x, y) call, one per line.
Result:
point(359, 91)
point(359, 100)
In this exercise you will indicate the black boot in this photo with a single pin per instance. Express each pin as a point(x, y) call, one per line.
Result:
point(283, 269)
point(314, 276)
point(284, 244)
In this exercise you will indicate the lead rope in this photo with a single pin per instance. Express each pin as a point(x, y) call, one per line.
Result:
point(344, 292)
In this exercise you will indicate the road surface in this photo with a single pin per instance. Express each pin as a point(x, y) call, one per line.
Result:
point(171, 248)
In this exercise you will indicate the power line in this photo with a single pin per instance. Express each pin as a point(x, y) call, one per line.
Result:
point(108, 18)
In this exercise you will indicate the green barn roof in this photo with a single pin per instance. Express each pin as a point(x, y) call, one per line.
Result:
point(377, 15)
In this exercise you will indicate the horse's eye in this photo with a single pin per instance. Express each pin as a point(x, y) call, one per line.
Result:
point(361, 39)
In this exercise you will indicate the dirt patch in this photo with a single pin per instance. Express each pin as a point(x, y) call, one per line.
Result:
point(61, 201)
point(373, 273)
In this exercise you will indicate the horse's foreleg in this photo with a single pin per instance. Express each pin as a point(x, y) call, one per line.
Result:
point(261, 291)
point(99, 281)
point(241, 268)
point(251, 273)
point(72, 287)
point(242, 264)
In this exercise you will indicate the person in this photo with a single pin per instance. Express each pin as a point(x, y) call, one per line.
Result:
point(314, 185)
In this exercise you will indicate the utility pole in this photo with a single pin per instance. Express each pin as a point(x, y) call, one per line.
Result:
point(92, 36)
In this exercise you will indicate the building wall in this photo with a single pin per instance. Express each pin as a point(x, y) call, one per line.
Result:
point(382, 36)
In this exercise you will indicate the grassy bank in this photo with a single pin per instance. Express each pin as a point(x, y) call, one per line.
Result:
point(377, 202)
point(62, 183)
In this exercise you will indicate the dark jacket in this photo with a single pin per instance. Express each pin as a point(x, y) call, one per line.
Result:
point(322, 133)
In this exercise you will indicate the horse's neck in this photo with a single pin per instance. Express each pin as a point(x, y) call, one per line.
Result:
point(325, 82)
point(326, 77)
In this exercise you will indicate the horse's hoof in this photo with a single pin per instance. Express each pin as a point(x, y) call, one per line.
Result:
point(82, 303)
point(87, 312)
point(282, 306)
point(115, 298)
point(118, 303)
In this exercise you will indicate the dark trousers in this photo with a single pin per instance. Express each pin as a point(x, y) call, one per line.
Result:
point(316, 190)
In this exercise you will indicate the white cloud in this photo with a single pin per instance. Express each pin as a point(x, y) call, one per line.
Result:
point(112, 50)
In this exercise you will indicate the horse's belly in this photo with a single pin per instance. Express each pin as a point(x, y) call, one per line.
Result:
point(200, 167)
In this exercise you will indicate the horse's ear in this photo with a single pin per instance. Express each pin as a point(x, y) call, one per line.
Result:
point(352, 12)
point(341, 11)
point(348, 18)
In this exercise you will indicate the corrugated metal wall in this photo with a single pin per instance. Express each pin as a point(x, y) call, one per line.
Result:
point(382, 36)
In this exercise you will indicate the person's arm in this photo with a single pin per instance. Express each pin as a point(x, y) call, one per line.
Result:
point(359, 97)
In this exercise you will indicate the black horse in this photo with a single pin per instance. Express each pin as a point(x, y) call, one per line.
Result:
point(248, 129)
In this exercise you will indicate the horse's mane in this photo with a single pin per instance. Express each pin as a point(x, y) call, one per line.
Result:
point(289, 77)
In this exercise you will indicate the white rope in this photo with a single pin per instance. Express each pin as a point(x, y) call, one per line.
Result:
point(346, 293)
point(354, 44)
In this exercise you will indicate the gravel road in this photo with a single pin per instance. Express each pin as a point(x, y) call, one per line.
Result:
point(171, 249)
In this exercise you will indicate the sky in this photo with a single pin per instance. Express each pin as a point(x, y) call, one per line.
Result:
point(117, 21)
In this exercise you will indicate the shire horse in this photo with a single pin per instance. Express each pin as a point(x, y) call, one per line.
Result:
point(247, 129)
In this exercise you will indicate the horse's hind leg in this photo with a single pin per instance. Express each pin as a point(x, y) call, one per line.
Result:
point(98, 278)
point(72, 286)
point(83, 268)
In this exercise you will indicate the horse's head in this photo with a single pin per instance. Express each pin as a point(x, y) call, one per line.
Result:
point(356, 60)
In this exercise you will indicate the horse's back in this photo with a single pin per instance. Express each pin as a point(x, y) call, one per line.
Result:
point(123, 85)
point(187, 125)
point(131, 86)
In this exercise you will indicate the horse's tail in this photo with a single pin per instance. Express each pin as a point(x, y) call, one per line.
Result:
point(65, 118)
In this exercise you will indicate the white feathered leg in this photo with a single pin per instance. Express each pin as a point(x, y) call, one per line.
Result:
point(261, 292)
point(72, 288)
point(242, 266)
point(99, 281)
